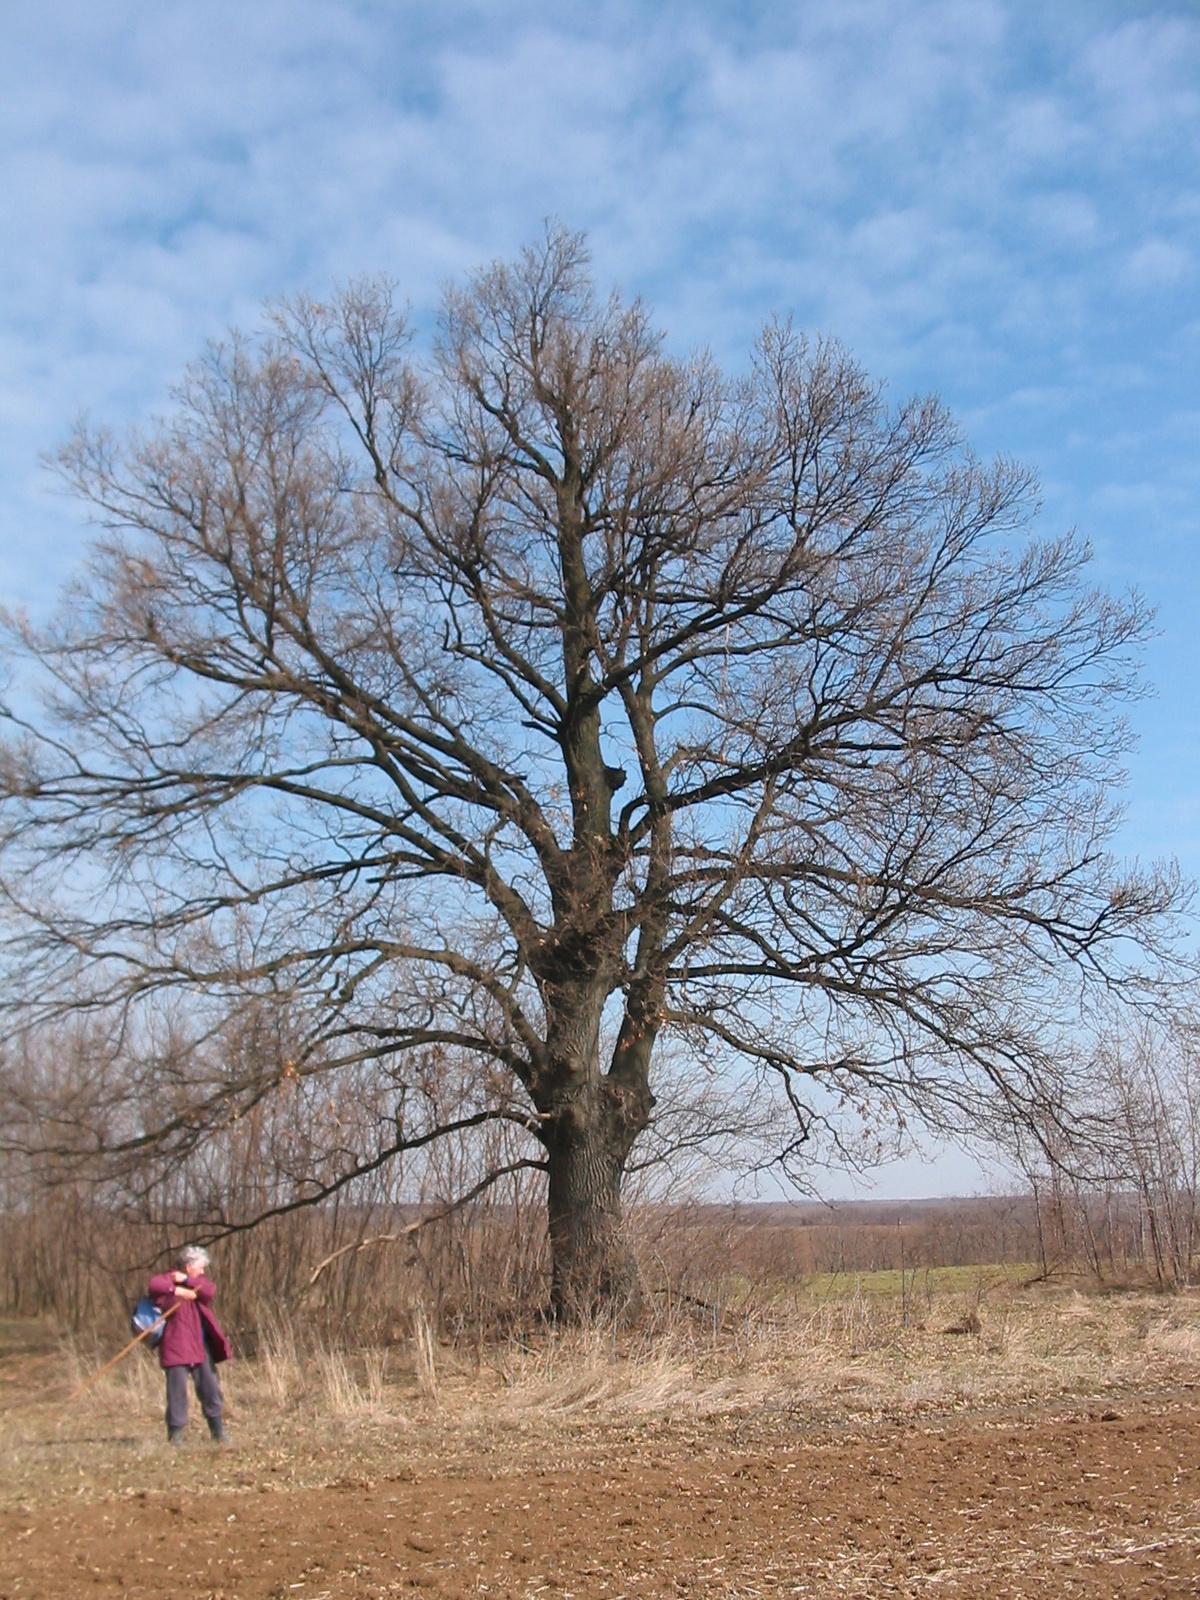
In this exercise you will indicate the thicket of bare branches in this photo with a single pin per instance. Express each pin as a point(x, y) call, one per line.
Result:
point(443, 737)
point(453, 1232)
point(1118, 1186)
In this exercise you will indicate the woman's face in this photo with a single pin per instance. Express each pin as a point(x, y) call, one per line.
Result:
point(194, 1269)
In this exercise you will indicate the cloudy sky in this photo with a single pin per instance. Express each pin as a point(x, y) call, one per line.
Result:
point(995, 199)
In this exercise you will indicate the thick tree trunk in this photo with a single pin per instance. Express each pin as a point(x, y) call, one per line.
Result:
point(588, 1143)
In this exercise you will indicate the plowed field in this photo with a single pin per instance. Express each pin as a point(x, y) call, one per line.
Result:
point(1104, 1505)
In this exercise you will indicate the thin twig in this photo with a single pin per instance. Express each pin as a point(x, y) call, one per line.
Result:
point(422, 1222)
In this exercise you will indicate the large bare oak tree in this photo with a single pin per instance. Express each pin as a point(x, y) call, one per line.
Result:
point(547, 697)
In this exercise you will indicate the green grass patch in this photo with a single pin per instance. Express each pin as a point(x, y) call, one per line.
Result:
point(918, 1282)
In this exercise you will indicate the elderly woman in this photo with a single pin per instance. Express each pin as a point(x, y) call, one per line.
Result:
point(192, 1343)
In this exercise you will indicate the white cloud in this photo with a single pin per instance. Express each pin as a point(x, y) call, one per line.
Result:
point(1144, 76)
point(1065, 219)
point(1156, 263)
point(947, 184)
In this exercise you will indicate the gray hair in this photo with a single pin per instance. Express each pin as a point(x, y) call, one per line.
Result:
point(192, 1256)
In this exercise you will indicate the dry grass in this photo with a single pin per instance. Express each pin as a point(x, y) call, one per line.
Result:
point(657, 1415)
point(424, 1359)
point(848, 1360)
point(860, 1356)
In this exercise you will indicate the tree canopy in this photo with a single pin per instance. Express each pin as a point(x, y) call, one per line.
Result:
point(541, 698)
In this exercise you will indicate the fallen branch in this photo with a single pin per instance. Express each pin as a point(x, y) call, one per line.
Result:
point(423, 1222)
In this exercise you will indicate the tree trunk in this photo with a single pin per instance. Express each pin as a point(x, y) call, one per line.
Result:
point(588, 1143)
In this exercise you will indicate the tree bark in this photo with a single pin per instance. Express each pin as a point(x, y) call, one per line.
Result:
point(588, 1141)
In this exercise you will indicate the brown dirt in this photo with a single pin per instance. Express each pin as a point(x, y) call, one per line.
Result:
point(979, 1509)
point(1055, 1452)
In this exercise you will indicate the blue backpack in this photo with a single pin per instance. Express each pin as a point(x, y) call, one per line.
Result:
point(147, 1319)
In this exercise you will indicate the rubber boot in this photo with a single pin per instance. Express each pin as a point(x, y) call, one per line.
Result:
point(216, 1429)
point(174, 1435)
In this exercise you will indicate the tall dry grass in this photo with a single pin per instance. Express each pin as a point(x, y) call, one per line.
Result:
point(851, 1354)
point(303, 1412)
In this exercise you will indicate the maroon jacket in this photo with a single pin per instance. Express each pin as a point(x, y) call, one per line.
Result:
point(187, 1330)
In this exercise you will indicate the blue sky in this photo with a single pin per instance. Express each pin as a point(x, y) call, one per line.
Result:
point(998, 201)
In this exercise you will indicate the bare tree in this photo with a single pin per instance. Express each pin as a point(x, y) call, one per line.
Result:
point(1120, 1183)
point(544, 698)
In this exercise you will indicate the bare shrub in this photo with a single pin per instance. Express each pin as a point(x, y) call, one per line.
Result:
point(1116, 1186)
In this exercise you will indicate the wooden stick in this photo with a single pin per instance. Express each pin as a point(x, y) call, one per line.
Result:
point(121, 1354)
point(423, 1222)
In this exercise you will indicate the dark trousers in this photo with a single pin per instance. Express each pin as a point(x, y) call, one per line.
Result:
point(208, 1392)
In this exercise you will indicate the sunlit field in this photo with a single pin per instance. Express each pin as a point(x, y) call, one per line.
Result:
point(424, 1461)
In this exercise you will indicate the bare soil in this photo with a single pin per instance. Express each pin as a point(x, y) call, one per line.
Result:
point(1070, 1506)
point(1094, 1495)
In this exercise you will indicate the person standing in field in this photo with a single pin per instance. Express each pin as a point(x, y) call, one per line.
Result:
point(192, 1343)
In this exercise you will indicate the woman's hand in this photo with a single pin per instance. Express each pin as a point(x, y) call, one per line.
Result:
point(180, 1277)
point(185, 1294)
